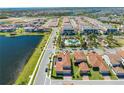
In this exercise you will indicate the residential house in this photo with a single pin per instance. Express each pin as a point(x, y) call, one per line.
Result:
point(114, 60)
point(97, 63)
point(84, 69)
point(63, 64)
point(79, 57)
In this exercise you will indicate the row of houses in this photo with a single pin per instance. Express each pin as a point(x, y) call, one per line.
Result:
point(88, 25)
point(7, 28)
point(80, 60)
point(36, 25)
point(102, 27)
point(67, 28)
point(97, 63)
point(36, 29)
point(10, 28)
point(116, 62)
point(92, 60)
point(53, 22)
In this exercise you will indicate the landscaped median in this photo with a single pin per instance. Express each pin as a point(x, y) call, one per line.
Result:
point(28, 69)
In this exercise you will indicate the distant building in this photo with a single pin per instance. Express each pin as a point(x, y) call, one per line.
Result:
point(36, 29)
point(29, 29)
point(67, 30)
point(7, 28)
point(111, 30)
point(89, 30)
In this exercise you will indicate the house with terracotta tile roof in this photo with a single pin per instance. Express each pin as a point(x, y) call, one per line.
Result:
point(79, 57)
point(63, 64)
point(59, 68)
point(121, 54)
point(84, 69)
point(97, 63)
point(119, 71)
point(114, 60)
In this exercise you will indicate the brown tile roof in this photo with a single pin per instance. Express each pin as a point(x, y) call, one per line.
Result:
point(92, 58)
point(97, 61)
point(79, 55)
point(118, 69)
point(67, 59)
point(101, 63)
point(114, 58)
point(103, 67)
point(64, 62)
point(121, 53)
point(59, 66)
point(83, 66)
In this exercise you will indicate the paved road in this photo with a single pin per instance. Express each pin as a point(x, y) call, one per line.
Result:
point(41, 77)
point(87, 82)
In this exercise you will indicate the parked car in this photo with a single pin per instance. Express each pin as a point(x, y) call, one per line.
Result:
point(46, 70)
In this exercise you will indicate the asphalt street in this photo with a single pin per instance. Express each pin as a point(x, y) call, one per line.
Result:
point(41, 76)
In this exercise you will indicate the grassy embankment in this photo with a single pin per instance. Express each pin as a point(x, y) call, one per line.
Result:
point(28, 69)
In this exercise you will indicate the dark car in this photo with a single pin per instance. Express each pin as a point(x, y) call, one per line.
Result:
point(46, 69)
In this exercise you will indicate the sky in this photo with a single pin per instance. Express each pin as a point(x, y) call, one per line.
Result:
point(61, 3)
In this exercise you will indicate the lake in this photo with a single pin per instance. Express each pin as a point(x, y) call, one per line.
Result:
point(14, 53)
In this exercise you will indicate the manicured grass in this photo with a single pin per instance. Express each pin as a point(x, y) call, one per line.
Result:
point(8, 34)
point(28, 69)
point(76, 73)
point(48, 65)
point(53, 72)
point(54, 76)
point(4, 34)
point(113, 77)
point(75, 70)
point(121, 41)
point(95, 75)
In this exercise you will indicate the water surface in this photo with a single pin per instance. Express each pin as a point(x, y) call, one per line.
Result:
point(14, 53)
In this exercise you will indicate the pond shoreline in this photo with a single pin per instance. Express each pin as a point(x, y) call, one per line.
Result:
point(28, 69)
point(31, 60)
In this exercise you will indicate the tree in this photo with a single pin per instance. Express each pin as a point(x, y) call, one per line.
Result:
point(93, 39)
point(59, 40)
point(109, 39)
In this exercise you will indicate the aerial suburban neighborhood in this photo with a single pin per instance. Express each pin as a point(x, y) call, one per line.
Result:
point(61, 46)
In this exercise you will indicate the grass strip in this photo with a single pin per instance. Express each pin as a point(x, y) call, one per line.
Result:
point(28, 69)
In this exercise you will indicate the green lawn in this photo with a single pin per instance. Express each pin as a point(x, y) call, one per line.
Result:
point(76, 73)
point(95, 75)
point(121, 41)
point(28, 69)
point(75, 70)
point(54, 76)
point(53, 72)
